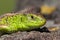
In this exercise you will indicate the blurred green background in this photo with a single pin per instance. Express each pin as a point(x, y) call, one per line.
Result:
point(6, 6)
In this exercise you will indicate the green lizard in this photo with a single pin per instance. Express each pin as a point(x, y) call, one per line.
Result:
point(22, 22)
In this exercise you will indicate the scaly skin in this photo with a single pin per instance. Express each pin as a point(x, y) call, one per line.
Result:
point(22, 22)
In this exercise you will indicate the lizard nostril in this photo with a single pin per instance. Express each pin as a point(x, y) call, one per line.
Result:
point(41, 19)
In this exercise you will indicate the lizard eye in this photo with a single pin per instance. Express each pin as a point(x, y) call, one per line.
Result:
point(32, 17)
